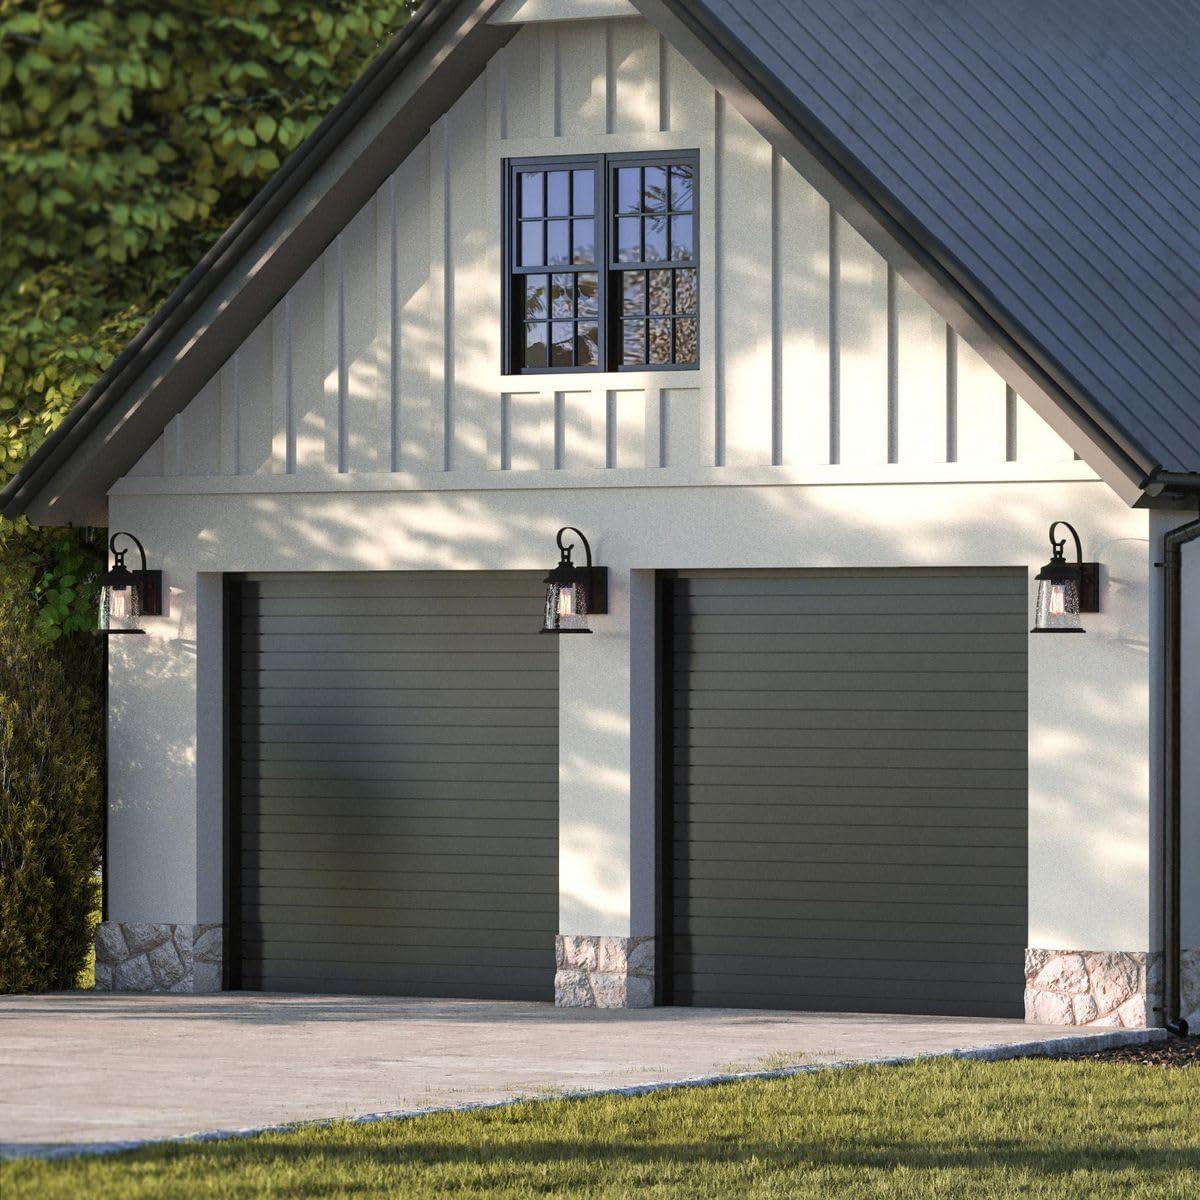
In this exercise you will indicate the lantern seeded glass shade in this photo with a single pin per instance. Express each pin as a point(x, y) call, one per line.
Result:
point(1057, 607)
point(566, 608)
point(120, 608)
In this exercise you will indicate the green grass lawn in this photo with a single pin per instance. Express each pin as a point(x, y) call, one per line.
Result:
point(1031, 1128)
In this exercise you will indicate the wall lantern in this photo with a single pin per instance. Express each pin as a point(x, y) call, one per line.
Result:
point(127, 595)
point(574, 593)
point(1065, 589)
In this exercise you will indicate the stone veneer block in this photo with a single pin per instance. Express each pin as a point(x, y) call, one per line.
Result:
point(603, 971)
point(137, 956)
point(1189, 988)
point(1102, 988)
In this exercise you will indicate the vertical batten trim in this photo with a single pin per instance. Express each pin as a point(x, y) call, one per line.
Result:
point(173, 447)
point(289, 398)
point(506, 431)
point(893, 369)
point(1010, 425)
point(610, 429)
point(610, 80)
point(664, 85)
point(835, 363)
point(557, 48)
point(447, 252)
point(502, 101)
point(394, 331)
point(951, 395)
point(236, 388)
point(343, 372)
point(560, 431)
point(776, 316)
point(719, 285)
point(664, 417)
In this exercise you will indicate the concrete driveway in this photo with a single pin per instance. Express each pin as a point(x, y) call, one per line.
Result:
point(83, 1070)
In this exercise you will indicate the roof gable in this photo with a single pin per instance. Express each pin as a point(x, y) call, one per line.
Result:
point(416, 79)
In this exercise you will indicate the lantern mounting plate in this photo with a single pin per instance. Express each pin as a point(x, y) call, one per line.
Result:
point(1089, 587)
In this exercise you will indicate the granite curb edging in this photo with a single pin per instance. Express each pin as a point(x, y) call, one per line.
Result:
point(1054, 1047)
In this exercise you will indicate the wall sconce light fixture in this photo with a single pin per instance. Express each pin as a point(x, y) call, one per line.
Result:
point(574, 593)
point(1065, 589)
point(125, 595)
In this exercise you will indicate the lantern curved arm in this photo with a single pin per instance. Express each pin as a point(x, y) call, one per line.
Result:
point(120, 554)
point(1057, 544)
point(566, 550)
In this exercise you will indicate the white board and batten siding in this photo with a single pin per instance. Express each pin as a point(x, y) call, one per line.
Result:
point(817, 360)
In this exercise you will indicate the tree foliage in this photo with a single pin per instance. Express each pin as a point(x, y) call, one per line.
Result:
point(51, 726)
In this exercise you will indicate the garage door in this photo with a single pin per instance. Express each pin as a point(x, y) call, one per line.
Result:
point(397, 823)
point(846, 807)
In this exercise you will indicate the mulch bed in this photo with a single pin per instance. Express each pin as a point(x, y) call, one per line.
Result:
point(1173, 1052)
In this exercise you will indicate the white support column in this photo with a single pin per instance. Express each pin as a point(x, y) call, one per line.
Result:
point(606, 803)
point(163, 931)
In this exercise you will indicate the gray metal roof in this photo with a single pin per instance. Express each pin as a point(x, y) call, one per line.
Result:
point(1049, 148)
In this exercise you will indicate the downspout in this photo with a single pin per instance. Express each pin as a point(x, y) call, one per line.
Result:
point(1173, 543)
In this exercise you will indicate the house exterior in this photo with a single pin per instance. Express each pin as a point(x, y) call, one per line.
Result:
point(813, 321)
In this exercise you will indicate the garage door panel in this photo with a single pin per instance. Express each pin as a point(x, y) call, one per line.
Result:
point(865, 776)
point(847, 790)
point(402, 931)
point(382, 806)
point(399, 772)
point(741, 702)
point(397, 828)
point(259, 750)
point(428, 791)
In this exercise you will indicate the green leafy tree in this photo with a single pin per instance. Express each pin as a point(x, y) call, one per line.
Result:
point(132, 133)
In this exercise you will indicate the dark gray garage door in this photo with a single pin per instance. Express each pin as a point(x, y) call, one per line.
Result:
point(397, 830)
point(847, 791)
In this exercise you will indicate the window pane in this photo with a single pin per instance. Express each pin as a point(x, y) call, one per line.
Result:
point(660, 341)
point(588, 294)
point(685, 290)
point(634, 293)
point(681, 189)
point(531, 193)
point(535, 344)
point(583, 186)
point(583, 241)
point(633, 342)
point(562, 350)
point(660, 292)
point(535, 297)
point(558, 194)
point(656, 239)
point(629, 189)
point(654, 190)
point(682, 239)
point(558, 242)
point(587, 345)
point(562, 296)
point(629, 239)
point(532, 254)
point(687, 339)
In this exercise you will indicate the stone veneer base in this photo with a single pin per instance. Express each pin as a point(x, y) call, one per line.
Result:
point(136, 956)
point(603, 971)
point(1101, 988)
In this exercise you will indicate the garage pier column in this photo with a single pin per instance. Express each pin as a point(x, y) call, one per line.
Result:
point(607, 854)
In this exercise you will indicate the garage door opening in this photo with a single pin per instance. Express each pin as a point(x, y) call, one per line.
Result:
point(393, 813)
point(845, 791)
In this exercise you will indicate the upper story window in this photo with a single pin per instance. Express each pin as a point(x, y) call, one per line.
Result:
point(602, 264)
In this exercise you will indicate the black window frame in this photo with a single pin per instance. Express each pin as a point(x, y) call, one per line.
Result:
point(605, 266)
